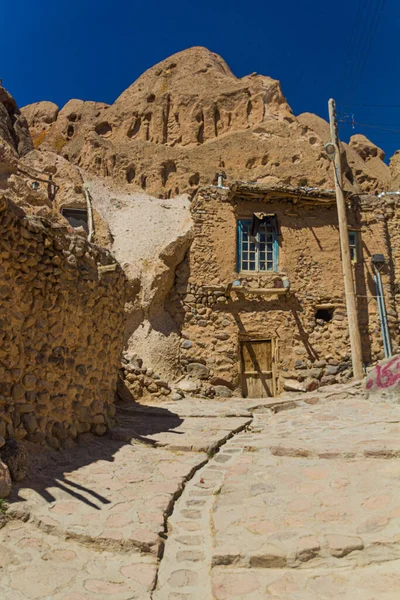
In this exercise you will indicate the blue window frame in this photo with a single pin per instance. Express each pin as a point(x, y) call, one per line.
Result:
point(256, 254)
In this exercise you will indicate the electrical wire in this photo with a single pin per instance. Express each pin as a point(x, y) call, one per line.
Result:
point(374, 105)
point(352, 38)
point(361, 38)
point(364, 27)
point(372, 33)
point(371, 126)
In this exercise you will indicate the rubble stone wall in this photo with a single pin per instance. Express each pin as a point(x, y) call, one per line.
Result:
point(62, 322)
point(392, 214)
point(309, 351)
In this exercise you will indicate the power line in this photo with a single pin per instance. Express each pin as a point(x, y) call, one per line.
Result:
point(377, 127)
point(374, 105)
point(372, 32)
point(352, 38)
point(370, 126)
point(360, 42)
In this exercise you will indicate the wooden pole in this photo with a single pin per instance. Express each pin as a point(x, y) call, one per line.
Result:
point(354, 332)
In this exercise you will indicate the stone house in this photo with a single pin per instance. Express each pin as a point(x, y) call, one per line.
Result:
point(260, 294)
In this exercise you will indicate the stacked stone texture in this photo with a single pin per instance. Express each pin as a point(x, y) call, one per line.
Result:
point(392, 222)
point(311, 352)
point(62, 319)
point(141, 381)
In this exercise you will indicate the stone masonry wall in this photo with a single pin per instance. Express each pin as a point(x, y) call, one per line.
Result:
point(392, 215)
point(309, 351)
point(62, 321)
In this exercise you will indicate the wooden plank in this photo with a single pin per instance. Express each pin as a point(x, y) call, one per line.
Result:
point(107, 268)
point(263, 373)
point(260, 291)
point(257, 369)
point(258, 387)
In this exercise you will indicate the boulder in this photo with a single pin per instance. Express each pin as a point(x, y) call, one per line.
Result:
point(292, 385)
point(198, 370)
point(222, 391)
point(15, 456)
point(5, 481)
point(383, 381)
point(314, 373)
point(311, 384)
point(186, 345)
point(220, 381)
point(332, 369)
point(188, 385)
point(308, 385)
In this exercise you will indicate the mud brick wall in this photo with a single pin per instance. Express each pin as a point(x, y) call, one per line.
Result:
point(310, 351)
point(61, 328)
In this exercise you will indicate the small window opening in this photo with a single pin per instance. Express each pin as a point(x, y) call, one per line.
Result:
point(353, 245)
point(257, 245)
point(76, 217)
point(324, 314)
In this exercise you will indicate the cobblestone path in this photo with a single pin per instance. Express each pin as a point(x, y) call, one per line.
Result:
point(288, 499)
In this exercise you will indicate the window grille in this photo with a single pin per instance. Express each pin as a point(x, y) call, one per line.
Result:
point(259, 253)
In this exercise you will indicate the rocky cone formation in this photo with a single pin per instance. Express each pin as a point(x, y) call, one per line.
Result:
point(189, 117)
point(180, 123)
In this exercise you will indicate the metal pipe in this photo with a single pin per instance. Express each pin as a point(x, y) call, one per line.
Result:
point(378, 297)
point(382, 313)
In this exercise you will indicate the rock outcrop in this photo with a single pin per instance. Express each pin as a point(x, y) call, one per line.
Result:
point(40, 117)
point(15, 139)
point(150, 238)
point(142, 158)
point(14, 129)
point(188, 118)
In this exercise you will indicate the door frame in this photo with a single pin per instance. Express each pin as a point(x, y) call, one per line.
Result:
point(274, 353)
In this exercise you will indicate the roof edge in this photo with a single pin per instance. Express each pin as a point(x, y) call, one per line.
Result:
point(257, 189)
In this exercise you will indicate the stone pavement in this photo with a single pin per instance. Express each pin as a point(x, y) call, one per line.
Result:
point(301, 502)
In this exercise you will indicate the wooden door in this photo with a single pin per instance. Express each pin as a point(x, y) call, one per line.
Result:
point(257, 368)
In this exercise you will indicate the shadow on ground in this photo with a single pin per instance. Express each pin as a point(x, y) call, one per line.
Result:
point(49, 468)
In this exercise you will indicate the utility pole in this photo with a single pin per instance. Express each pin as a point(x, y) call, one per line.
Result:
point(351, 305)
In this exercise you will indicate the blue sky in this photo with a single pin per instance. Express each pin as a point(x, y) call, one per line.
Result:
point(317, 49)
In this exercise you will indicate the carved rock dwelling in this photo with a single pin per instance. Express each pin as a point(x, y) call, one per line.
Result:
point(235, 290)
point(261, 294)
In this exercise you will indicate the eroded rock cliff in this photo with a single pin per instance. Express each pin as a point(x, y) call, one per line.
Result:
point(189, 117)
point(144, 156)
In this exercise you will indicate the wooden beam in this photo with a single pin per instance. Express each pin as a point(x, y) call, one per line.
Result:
point(259, 291)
